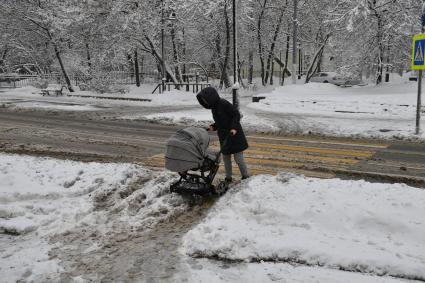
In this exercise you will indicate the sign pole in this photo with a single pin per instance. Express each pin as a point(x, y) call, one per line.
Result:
point(419, 103)
point(418, 107)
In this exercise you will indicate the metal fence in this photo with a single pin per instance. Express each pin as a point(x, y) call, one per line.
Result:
point(125, 78)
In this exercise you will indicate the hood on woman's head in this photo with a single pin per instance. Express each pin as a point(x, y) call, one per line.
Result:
point(208, 97)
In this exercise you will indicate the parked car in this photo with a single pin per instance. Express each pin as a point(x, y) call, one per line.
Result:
point(327, 77)
point(334, 78)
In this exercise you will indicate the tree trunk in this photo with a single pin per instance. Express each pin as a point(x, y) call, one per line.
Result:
point(285, 70)
point(158, 57)
point(3, 56)
point(260, 43)
point(130, 65)
point(314, 65)
point(271, 73)
point(240, 80)
point(381, 53)
point(184, 57)
point(250, 66)
point(271, 52)
point(225, 80)
point(319, 63)
point(379, 36)
point(387, 72)
point(136, 68)
point(65, 74)
point(58, 56)
point(88, 56)
point(217, 55)
point(176, 54)
point(142, 62)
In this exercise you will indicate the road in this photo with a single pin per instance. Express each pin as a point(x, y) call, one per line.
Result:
point(93, 137)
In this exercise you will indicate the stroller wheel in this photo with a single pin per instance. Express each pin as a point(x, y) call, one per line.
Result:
point(221, 188)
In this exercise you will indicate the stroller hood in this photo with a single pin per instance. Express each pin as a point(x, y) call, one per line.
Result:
point(186, 149)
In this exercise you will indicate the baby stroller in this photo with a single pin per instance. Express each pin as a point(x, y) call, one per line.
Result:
point(187, 154)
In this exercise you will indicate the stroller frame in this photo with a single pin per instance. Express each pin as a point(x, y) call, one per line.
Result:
point(200, 184)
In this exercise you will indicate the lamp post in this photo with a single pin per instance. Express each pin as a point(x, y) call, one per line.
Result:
point(235, 97)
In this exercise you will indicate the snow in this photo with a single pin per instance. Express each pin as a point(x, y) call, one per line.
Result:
point(266, 229)
point(203, 118)
point(203, 270)
point(30, 97)
point(349, 225)
point(56, 106)
point(384, 112)
point(43, 197)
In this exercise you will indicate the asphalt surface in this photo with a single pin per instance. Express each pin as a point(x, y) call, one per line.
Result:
point(91, 136)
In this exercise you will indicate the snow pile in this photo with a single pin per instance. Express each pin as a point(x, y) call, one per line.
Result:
point(171, 98)
point(387, 101)
point(203, 270)
point(349, 225)
point(43, 197)
point(138, 205)
point(203, 118)
point(33, 99)
point(386, 111)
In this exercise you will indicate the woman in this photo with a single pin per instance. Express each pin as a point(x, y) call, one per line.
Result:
point(229, 130)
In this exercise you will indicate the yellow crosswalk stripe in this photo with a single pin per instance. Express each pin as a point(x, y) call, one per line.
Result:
point(318, 159)
point(331, 142)
point(256, 166)
point(301, 156)
point(296, 148)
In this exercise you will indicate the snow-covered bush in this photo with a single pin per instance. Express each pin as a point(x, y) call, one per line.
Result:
point(104, 83)
point(40, 83)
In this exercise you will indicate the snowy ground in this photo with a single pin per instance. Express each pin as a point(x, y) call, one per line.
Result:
point(42, 197)
point(30, 97)
point(283, 228)
point(386, 112)
point(370, 111)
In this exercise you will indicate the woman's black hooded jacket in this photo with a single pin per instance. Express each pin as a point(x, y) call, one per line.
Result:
point(226, 117)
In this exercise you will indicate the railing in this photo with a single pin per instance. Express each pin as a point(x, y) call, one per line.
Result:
point(117, 77)
point(25, 80)
point(196, 87)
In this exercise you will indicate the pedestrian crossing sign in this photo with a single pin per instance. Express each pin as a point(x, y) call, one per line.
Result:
point(418, 56)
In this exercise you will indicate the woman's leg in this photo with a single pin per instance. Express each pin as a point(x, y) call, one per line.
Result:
point(241, 164)
point(227, 165)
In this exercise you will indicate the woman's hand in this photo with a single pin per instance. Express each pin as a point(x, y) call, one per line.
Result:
point(233, 132)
